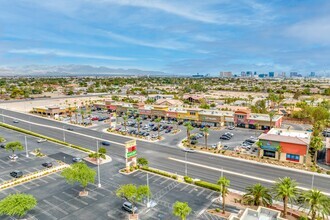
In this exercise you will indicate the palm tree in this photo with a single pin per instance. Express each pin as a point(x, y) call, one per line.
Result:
point(181, 209)
point(158, 120)
point(257, 195)
point(224, 184)
point(279, 151)
point(250, 98)
point(259, 145)
point(138, 119)
point(316, 144)
point(271, 115)
point(317, 203)
point(205, 130)
point(76, 115)
point(285, 189)
point(82, 112)
point(189, 128)
point(89, 112)
point(125, 121)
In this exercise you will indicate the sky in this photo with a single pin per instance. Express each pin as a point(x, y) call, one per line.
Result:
point(176, 37)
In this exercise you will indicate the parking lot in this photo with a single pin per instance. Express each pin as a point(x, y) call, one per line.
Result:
point(59, 200)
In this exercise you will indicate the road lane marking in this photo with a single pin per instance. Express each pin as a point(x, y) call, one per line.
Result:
point(234, 173)
point(63, 130)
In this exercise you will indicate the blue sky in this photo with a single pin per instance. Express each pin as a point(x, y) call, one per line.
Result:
point(173, 36)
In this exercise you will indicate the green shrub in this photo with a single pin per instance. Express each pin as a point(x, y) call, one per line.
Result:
point(158, 172)
point(174, 177)
point(188, 179)
point(208, 185)
point(319, 171)
point(217, 209)
point(328, 172)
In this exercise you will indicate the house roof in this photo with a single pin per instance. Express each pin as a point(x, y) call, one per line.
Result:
point(287, 139)
point(170, 101)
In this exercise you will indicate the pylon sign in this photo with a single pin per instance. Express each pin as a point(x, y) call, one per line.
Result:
point(130, 153)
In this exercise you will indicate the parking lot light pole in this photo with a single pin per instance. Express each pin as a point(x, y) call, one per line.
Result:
point(26, 149)
point(148, 199)
point(98, 164)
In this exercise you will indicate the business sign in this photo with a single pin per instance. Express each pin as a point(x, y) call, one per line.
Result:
point(130, 154)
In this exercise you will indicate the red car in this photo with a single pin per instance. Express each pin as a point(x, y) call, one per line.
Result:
point(95, 118)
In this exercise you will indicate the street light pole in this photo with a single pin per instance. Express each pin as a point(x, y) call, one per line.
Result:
point(148, 200)
point(186, 169)
point(26, 149)
point(63, 133)
point(98, 164)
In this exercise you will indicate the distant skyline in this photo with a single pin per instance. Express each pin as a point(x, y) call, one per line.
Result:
point(169, 36)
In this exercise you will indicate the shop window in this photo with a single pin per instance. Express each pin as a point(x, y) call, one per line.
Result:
point(268, 153)
point(292, 157)
point(240, 116)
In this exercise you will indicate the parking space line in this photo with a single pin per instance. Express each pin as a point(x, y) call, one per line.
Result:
point(192, 189)
point(143, 176)
point(137, 173)
point(209, 196)
point(24, 159)
point(25, 186)
point(164, 181)
point(75, 198)
point(198, 194)
point(1, 167)
point(184, 188)
point(45, 212)
point(4, 193)
point(55, 207)
point(89, 196)
point(6, 163)
point(151, 176)
point(50, 177)
point(42, 180)
point(157, 179)
point(32, 182)
point(65, 202)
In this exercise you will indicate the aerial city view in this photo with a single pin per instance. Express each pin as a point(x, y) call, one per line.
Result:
point(164, 110)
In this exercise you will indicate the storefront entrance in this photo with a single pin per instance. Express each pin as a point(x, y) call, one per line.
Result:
point(268, 153)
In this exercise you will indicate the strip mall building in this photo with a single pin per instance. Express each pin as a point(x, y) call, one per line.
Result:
point(285, 145)
point(213, 118)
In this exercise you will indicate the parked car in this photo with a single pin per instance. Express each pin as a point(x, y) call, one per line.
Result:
point(47, 164)
point(326, 133)
point(193, 137)
point(2, 146)
point(13, 157)
point(146, 134)
point(168, 131)
point(76, 159)
point(70, 129)
point(193, 142)
point(16, 174)
point(127, 206)
point(155, 129)
point(154, 136)
point(230, 127)
point(15, 121)
point(105, 143)
point(95, 118)
point(41, 140)
point(180, 123)
point(230, 134)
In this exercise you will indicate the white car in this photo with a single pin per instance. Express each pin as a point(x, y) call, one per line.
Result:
point(154, 136)
point(13, 157)
point(214, 146)
point(41, 140)
point(188, 150)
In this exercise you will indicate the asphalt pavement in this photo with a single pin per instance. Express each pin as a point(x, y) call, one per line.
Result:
point(159, 156)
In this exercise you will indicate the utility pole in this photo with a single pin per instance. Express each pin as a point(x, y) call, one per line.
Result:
point(98, 164)
point(26, 149)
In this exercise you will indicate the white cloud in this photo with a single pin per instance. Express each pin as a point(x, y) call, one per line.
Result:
point(168, 44)
point(314, 31)
point(60, 53)
point(179, 10)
